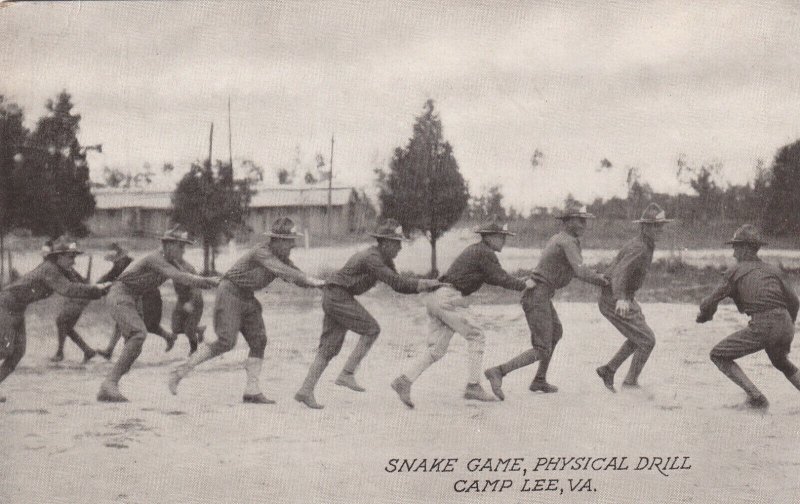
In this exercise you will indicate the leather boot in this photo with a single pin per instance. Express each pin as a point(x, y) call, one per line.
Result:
point(607, 375)
point(109, 392)
point(495, 377)
point(252, 390)
point(540, 385)
point(306, 393)
point(475, 392)
point(201, 355)
point(348, 379)
point(402, 385)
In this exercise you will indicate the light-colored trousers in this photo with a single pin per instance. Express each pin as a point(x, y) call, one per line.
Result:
point(449, 313)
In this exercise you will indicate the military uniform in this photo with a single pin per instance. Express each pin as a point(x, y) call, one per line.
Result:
point(760, 291)
point(236, 310)
point(448, 312)
point(342, 312)
point(627, 273)
point(560, 262)
point(34, 286)
point(124, 299)
point(186, 321)
point(69, 311)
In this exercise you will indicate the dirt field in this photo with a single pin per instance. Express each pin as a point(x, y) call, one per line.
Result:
point(60, 445)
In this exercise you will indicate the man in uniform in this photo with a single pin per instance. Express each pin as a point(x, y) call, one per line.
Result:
point(343, 313)
point(448, 310)
point(188, 312)
point(617, 304)
point(48, 277)
point(142, 276)
point(150, 302)
point(761, 291)
point(237, 309)
point(69, 311)
point(561, 260)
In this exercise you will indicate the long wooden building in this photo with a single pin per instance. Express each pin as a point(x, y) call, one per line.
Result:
point(134, 212)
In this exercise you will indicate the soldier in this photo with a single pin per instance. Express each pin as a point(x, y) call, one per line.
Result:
point(150, 303)
point(617, 304)
point(188, 312)
point(561, 260)
point(761, 291)
point(343, 313)
point(237, 309)
point(69, 312)
point(448, 310)
point(48, 277)
point(142, 276)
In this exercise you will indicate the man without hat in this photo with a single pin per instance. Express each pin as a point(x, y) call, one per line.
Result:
point(448, 310)
point(761, 291)
point(343, 313)
point(237, 309)
point(144, 275)
point(561, 260)
point(617, 304)
point(52, 275)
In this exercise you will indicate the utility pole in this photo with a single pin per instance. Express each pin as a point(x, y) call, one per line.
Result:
point(210, 144)
point(230, 136)
point(330, 190)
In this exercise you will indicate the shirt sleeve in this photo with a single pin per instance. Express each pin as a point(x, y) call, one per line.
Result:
point(708, 306)
point(59, 283)
point(573, 255)
point(494, 274)
point(116, 270)
point(627, 272)
point(286, 272)
point(389, 276)
point(168, 270)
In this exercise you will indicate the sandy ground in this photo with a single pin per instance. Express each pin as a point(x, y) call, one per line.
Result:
point(60, 445)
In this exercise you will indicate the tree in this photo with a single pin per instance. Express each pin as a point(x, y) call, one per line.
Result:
point(285, 176)
point(53, 183)
point(211, 204)
point(12, 135)
point(783, 192)
point(424, 189)
point(536, 158)
point(487, 205)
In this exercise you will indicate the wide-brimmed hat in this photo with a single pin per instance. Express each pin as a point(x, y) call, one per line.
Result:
point(389, 229)
point(177, 234)
point(284, 228)
point(747, 233)
point(60, 245)
point(654, 214)
point(115, 252)
point(574, 209)
point(494, 226)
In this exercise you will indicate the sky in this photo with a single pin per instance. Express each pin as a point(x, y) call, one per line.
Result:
point(637, 83)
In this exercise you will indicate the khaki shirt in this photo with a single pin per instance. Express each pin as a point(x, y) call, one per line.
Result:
point(41, 282)
point(153, 270)
point(629, 268)
point(755, 287)
point(561, 261)
point(258, 267)
point(363, 270)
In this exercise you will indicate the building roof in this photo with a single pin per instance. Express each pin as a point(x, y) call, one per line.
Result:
point(115, 199)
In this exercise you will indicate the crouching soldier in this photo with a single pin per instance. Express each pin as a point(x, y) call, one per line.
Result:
point(142, 276)
point(52, 275)
point(759, 290)
point(617, 304)
point(448, 310)
point(343, 313)
point(561, 260)
point(237, 309)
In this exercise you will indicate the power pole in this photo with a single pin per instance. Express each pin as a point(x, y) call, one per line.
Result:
point(210, 144)
point(330, 190)
point(230, 136)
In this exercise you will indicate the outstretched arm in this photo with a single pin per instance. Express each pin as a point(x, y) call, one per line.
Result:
point(182, 277)
point(390, 277)
point(708, 307)
point(583, 272)
point(287, 272)
point(59, 283)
